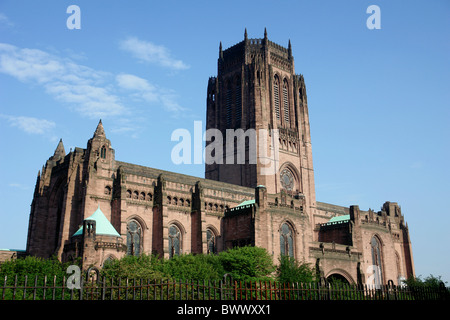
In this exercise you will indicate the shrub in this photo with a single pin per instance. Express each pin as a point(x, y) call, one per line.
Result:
point(247, 263)
point(290, 270)
point(193, 267)
point(33, 266)
point(142, 266)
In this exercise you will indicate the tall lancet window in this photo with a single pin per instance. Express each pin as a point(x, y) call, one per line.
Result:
point(228, 105)
point(286, 102)
point(377, 259)
point(286, 240)
point(211, 241)
point(238, 103)
point(103, 153)
point(276, 96)
point(134, 233)
point(174, 241)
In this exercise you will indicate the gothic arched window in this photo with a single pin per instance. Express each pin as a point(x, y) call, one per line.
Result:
point(286, 103)
point(103, 153)
point(276, 96)
point(377, 258)
point(238, 103)
point(211, 241)
point(228, 105)
point(134, 234)
point(287, 240)
point(175, 241)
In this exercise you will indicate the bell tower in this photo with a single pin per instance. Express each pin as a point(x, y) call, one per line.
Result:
point(259, 106)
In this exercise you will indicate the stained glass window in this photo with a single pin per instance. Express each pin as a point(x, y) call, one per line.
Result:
point(376, 258)
point(211, 241)
point(286, 104)
point(134, 238)
point(174, 241)
point(286, 240)
point(276, 97)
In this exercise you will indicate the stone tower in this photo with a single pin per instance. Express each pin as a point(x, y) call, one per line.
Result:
point(258, 103)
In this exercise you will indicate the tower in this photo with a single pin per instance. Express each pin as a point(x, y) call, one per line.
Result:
point(257, 105)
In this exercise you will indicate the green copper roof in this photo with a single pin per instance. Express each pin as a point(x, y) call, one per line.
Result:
point(102, 225)
point(246, 202)
point(340, 218)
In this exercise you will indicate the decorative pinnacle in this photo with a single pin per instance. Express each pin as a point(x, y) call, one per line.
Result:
point(99, 132)
point(265, 33)
point(245, 34)
point(59, 151)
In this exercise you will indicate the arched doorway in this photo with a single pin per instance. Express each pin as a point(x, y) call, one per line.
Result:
point(337, 278)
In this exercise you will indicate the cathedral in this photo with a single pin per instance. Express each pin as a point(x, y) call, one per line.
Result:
point(87, 204)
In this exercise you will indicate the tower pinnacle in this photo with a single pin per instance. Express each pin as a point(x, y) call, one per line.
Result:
point(59, 151)
point(99, 132)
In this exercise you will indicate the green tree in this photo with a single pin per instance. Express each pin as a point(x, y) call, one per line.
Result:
point(430, 282)
point(193, 267)
point(290, 270)
point(142, 266)
point(31, 270)
point(33, 266)
point(247, 263)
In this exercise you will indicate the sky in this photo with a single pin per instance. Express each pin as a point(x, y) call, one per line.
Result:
point(378, 99)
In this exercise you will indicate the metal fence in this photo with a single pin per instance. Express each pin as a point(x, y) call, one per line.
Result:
point(102, 288)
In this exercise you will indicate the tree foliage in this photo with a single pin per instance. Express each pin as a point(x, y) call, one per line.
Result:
point(247, 263)
point(142, 266)
point(429, 282)
point(290, 270)
point(32, 266)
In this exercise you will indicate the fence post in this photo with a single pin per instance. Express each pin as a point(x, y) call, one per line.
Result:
point(81, 288)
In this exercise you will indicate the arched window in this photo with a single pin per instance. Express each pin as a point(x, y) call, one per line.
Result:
point(211, 241)
point(377, 259)
point(135, 195)
point(103, 153)
point(286, 102)
point(175, 239)
point(128, 194)
point(286, 240)
point(134, 234)
point(228, 105)
point(238, 103)
point(108, 190)
point(287, 179)
point(276, 96)
point(397, 261)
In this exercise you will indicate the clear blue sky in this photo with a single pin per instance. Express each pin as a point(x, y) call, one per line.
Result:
point(378, 99)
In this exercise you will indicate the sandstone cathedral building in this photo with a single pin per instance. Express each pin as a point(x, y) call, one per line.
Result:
point(89, 205)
